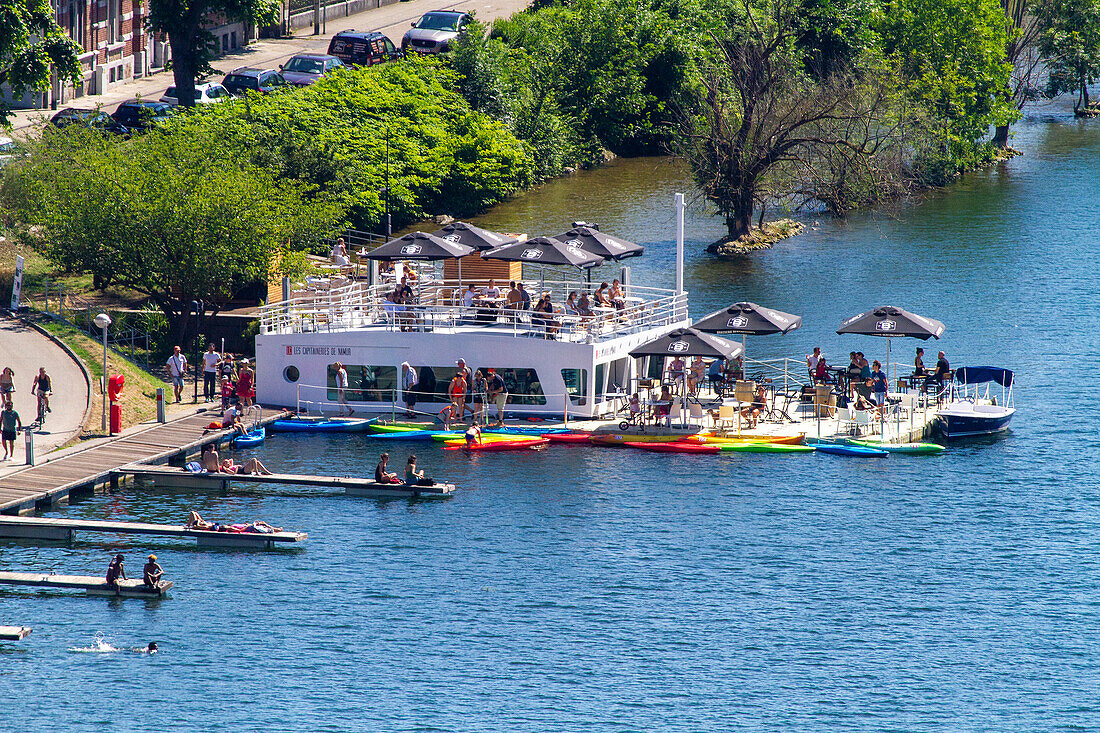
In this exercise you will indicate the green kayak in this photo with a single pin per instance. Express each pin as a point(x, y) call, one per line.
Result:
point(765, 448)
point(915, 449)
point(397, 427)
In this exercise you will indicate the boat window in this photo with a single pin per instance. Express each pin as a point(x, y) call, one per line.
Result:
point(655, 368)
point(366, 383)
point(523, 385)
point(617, 375)
point(576, 385)
point(432, 382)
point(290, 374)
point(600, 370)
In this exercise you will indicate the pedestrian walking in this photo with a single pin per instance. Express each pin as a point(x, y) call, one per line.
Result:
point(210, 362)
point(177, 369)
point(9, 425)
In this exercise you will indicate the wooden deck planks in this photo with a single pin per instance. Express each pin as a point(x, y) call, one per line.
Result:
point(25, 527)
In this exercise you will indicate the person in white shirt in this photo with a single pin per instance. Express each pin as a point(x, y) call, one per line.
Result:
point(339, 254)
point(177, 370)
point(342, 388)
point(408, 387)
point(491, 290)
point(813, 359)
point(210, 373)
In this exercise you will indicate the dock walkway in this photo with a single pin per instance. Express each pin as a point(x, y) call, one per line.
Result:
point(44, 484)
point(14, 633)
point(51, 528)
point(89, 584)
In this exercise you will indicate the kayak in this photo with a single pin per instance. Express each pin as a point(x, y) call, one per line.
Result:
point(460, 439)
point(778, 439)
point(397, 427)
point(675, 447)
point(322, 425)
point(913, 449)
point(568, 437)
point(416, 435)
point(254, 438)
point(622, 438)
point(848, 450)
point(763, 448)
point(502, 445)
point(533, 432)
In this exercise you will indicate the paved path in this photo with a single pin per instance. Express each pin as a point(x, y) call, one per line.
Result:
point(393, 20)
point(25, 350)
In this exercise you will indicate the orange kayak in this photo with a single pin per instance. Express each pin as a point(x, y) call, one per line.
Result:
point(782, 439)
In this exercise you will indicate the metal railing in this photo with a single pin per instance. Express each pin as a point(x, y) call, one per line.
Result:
point(356, 306)
point(80, 313)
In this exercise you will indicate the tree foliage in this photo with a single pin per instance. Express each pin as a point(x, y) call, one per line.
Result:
point(1069, 40)
point(193, 46)
point(167, 215)
point(31, 46)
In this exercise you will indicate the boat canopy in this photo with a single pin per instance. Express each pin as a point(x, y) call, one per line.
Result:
point(981, 374)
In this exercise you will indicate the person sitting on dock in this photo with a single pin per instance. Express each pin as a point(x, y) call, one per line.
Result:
point(115, 571)
point(231, 420)
point(757, 407)
point(473, 434)
point(151, 573)
point(381, 475)
point(939, 377)
point(413, 477)
point(250, 467)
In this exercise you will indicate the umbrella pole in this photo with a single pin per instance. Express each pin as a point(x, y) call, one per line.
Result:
point(882, 407)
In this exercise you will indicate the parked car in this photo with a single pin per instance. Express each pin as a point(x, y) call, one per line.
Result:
point(246, 79)
point(95, 119)
point(306, 68)
point(209, 93)
point(141, 114)
point(9, 149)
point(362, 48)
point(435, 31)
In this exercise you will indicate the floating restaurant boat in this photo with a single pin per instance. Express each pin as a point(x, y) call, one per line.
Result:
point(968, 413)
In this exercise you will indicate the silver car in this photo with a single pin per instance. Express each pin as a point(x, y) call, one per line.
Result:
point(435, 31)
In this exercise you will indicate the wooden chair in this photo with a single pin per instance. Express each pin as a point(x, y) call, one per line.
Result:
point(727, 416)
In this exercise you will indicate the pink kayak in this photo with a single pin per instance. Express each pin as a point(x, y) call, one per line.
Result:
point(502, 445)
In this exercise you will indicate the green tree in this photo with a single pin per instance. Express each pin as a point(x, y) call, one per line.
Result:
point(1069, 41)
point(185, 21)
point(31, 45)
point(168, 216)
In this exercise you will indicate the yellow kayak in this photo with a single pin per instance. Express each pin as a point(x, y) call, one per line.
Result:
point(778, 439)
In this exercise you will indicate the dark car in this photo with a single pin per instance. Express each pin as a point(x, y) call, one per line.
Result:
point(246, 79)
point(306, 68)
point(362, 48)
point(141, 114)
point(435, 32)
point(93, 118)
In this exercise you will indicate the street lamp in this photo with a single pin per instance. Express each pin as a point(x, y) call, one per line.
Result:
point(103, 321)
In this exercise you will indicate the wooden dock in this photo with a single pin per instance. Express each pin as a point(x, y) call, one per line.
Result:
point(91, 585)
point(61, 530)
point(38, 487)
point(179, 478)
point(14, 633)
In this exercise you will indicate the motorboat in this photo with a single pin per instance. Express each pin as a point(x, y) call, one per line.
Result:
point(972, 410)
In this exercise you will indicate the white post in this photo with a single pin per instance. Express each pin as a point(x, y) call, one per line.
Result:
point(679, 243)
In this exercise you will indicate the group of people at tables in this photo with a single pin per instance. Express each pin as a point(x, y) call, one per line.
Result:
point(682, 377)
point(866, 384)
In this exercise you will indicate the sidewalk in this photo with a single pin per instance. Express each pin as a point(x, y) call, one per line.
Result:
point(393, 20)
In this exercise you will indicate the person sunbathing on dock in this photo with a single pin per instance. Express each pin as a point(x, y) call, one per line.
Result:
point(251, 466)
point(195, 521)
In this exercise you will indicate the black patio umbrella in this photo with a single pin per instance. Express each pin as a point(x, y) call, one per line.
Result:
point(689, 342)
point(748, 319)
point(598, 243)
point(480, 239)
point(544, 251)
point(419, 246)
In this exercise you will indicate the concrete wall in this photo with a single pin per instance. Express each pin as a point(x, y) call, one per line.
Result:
point(304, 19)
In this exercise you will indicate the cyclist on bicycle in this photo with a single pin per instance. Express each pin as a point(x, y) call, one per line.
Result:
point(42, 387)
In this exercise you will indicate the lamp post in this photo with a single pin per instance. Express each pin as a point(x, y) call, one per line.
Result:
point(103, 321)
point(389, 223)
point(199, 307)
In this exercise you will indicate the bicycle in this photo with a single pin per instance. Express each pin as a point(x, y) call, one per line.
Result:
point(43, 407)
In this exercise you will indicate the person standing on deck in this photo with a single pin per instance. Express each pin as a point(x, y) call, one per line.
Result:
point(9, 424)
point(210, 373)
point(177, 370)
point(342, 388)
point(408, 387)
point(246, 384)
point(497, 394)
point(115, 571)
point(457, 392)
point(151, 573)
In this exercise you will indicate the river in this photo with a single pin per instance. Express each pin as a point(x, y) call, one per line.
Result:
point(602, 590)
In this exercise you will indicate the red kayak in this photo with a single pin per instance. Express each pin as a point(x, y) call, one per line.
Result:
point(675, 447)
point(502, 445)
point(568, 437)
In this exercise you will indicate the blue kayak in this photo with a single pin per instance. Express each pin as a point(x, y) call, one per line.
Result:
point(254, 438)
point(322, 425)
point(848, 450)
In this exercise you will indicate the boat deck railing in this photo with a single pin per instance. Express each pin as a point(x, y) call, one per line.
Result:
point(438, 308)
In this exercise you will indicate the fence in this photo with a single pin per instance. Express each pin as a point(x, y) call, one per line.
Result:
point(132, 343)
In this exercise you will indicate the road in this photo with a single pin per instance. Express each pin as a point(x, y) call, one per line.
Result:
point(25, 350)
point(393, 20)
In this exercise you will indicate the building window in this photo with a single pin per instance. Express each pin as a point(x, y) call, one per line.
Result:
point(366, 383)
point(576, 385)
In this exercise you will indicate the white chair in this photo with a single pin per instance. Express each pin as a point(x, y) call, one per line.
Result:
point(727, 416)
point(695, 412)
point(862, 419)
point(844, 418)
point(675, 414)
